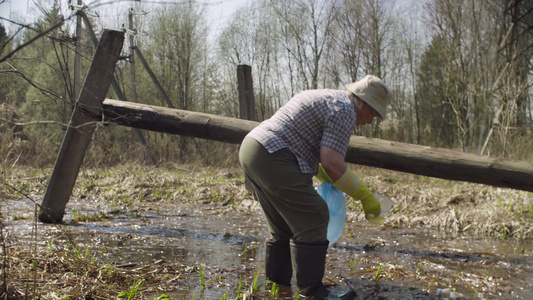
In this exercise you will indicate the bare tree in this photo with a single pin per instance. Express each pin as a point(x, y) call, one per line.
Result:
point(347, 38)
point(488, 59)
point(176, 49)
point(306, 27)
point(252, 37)
point(512, 86)
point(452, 20)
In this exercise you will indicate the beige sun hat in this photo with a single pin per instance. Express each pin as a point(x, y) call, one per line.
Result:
point(373, 91)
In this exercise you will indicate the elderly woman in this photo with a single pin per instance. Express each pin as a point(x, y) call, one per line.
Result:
point(308, 136)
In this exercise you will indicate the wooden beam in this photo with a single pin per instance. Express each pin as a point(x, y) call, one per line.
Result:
point(176, 121)
point(81, 127)
point(415, 159)
point(441, 163)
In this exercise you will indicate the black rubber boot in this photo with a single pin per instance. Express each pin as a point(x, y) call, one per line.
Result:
point(322, 292)
point(308, 263)
point(278, 267)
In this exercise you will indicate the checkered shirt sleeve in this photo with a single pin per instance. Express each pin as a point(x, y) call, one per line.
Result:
point(311, 119)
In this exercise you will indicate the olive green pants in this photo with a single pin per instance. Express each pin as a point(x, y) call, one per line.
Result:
point(293, 208)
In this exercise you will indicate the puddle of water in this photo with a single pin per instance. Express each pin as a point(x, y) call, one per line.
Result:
point(480, 268)
point(230, 245)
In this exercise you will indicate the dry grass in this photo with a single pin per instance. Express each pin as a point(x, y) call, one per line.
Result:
point(443, 205)
point(49, 271)
point(76, 274)
point(42, 269)
point(453, 207)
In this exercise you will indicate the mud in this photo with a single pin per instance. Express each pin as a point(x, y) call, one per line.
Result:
point(211, 226)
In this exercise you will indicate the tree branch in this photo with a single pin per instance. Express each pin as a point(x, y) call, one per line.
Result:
point(38, 36)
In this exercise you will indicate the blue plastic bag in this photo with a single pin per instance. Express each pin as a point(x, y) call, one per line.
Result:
point(337, 210)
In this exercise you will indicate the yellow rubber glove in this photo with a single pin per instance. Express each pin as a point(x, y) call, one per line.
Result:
point(322, 175)
point(352, 185)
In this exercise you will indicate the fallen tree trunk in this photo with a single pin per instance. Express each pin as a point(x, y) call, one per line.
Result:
point(415, 159)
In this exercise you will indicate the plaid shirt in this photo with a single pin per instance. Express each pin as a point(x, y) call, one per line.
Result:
point(311, 119)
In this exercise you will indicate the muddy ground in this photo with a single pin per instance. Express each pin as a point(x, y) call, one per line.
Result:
point(194, 232)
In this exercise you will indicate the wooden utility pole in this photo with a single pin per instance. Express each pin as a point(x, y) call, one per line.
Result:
point(77, 60)
point(415, 159)
point(154, 78)
point(133, 96)
point(81, 126)
point(131, 36)
point(118, 90)
point(163, 92)
point(246, 101)
point(246, 93)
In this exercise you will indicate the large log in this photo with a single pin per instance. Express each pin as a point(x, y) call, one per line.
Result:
point(415, 159)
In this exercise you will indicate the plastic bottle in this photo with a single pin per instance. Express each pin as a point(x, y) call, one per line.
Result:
point(386, 206)
point(337, 210)
point(448, 293)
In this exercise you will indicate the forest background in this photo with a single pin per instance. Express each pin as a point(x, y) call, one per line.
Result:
point(461, 70)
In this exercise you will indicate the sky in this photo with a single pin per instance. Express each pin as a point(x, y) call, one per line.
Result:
point(25, 11)
point(10, 8)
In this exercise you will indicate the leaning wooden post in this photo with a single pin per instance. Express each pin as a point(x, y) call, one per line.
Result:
point(81, 127)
